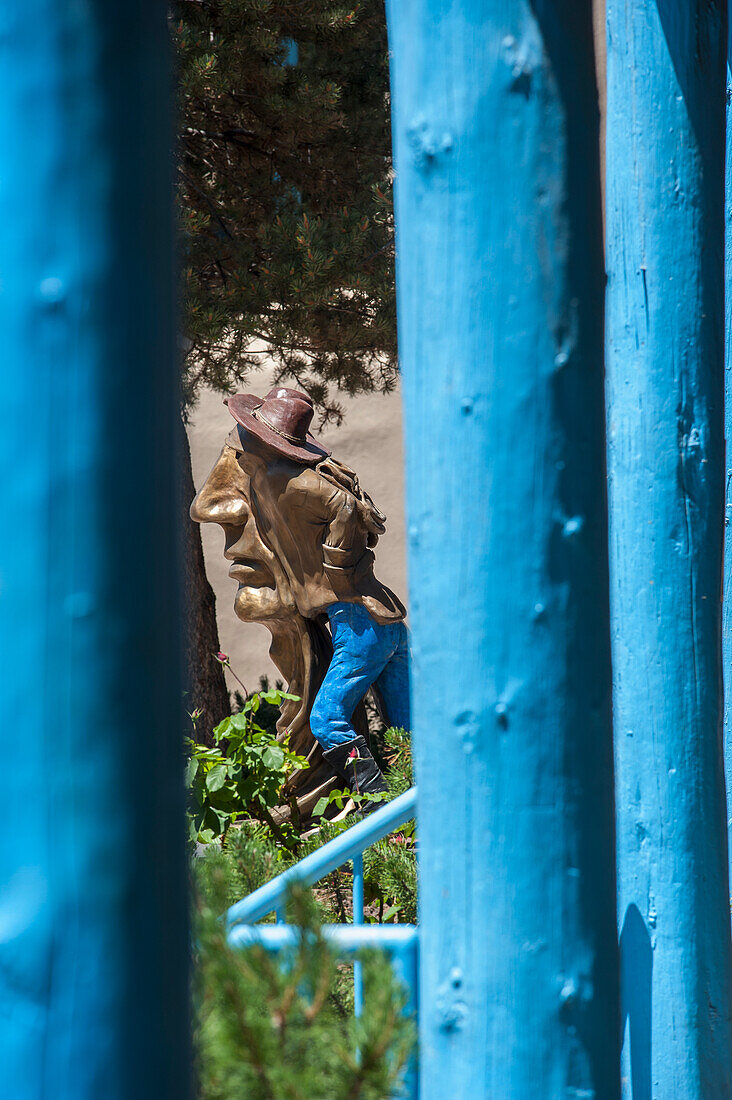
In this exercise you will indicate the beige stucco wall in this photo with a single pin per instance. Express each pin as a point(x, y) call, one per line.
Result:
point(370, 441)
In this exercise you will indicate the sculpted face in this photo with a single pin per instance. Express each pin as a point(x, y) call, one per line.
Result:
point(301, 648)
point(264, 593)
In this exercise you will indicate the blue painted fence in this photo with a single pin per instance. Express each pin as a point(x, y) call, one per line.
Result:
point(727, 600)
point(500, 305)
point(664, 356)
point(93, 939)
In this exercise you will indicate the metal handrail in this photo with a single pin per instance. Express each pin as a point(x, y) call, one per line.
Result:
point(348, 938)
point(400, 942)
point(347, 846)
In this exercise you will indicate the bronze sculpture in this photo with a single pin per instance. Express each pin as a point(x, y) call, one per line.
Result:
point(300, 533)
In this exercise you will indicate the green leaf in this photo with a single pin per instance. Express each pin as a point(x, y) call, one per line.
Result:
point(216, 777)
point(222, 729)
point(191, 770)
point(321, 806)
point(297, 763)
point(273, 757)
point(224, 798)
point(212, 820)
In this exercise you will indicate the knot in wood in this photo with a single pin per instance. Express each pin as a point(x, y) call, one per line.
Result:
point(426, 143)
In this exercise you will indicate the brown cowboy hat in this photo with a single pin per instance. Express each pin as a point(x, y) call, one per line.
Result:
point(281, 420)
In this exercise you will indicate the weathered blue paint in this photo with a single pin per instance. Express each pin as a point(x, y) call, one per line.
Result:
point(665, 157)
point(727, 602)
point(93, 951)
point(500, 289)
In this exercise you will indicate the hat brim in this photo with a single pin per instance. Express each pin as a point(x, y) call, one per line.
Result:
point(242, 406)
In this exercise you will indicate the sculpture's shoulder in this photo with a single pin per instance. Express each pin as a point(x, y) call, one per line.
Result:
point(290, 483)
point(308, 478)
point(312, 482)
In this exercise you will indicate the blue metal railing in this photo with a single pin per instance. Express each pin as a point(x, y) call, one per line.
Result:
point(341, 849)
point(398, 941)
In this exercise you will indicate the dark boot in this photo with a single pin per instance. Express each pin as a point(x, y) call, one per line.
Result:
point(354, 763)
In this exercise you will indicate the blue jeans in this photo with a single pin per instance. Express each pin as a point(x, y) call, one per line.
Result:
point(364, 653)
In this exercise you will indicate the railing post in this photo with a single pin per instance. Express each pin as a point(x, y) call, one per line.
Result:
point(93, 940)
point(405, 963)
point(665, 170)
point(357, 905)
point(500, 290)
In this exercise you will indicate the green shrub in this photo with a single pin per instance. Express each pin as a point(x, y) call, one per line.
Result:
point(243, 775)
point(254, 851)
point(281, 1029)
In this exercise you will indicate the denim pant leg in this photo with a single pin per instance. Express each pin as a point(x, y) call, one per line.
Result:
point(361, 649)
point(393, 683)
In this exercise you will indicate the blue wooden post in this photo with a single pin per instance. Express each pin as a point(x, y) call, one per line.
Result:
point(665, 170)
point(500, 288)
point(727, 602)
point(93, 970)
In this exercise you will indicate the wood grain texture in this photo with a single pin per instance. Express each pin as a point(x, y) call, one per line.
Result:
point(93, 938)
point(500, 298)
point(665, 157)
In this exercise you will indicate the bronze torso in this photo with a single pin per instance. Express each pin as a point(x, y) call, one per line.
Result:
point(322, 534)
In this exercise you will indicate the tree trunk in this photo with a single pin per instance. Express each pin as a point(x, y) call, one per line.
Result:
point(204, 682)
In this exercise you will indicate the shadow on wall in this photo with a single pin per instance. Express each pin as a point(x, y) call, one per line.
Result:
point(636, 965)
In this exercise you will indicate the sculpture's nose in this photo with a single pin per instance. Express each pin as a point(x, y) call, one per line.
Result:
point(221, 497)
point(203, 508)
